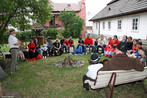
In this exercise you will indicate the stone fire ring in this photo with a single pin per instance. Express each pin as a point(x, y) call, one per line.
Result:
point(69, 62)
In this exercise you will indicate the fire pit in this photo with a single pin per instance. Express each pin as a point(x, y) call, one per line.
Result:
point(69, 62)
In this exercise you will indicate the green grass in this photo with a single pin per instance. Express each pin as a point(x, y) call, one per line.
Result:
point(41, 79)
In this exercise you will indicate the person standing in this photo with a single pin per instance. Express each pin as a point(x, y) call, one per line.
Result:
point(14, 50)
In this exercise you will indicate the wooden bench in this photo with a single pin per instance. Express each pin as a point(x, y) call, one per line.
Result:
point(144, 44)
point(7, 54)
point(106, 79)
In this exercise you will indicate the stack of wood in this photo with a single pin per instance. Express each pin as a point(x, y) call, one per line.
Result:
point(68, 62)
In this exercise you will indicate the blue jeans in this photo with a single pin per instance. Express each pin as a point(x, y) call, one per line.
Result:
point(92, 46)
point(101, 47)
point(64, 47)
point(85, 51)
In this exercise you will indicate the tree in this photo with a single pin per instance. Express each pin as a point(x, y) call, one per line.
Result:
point(20, 13)
point(73, 24)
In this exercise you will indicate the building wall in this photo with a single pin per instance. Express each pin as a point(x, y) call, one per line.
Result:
point(126, 26)
point(81, 13)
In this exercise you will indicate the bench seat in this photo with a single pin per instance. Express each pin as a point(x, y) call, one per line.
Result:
point(122, 77)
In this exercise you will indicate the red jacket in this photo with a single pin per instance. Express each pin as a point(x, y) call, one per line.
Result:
point(70, 43)
point(110, 43)
point(115, 42)
point(88, 41)
point(135, 48)
point(65, 42)
point(32, 47)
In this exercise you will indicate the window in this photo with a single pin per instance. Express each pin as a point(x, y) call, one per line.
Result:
point(109, 25)
point(135, 24)
point(103, 25)
point(119, 24)
point(97, 25)
point(52, 22)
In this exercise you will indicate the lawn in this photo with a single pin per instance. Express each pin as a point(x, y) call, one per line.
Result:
point(41, 79)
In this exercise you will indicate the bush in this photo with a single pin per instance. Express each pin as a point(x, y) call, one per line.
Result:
point(73, 24)
point(22, 36)
point(4, 39)
point(52, 32)
point(67, 33)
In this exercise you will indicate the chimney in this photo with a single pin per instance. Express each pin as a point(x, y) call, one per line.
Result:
point(82, 1)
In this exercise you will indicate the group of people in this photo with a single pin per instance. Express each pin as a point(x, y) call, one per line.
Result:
point(127, 55)
point(33, 51)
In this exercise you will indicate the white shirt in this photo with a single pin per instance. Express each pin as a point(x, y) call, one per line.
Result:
point(92, 70)
point(12, 40)
point(102, 42)
point(45, 47)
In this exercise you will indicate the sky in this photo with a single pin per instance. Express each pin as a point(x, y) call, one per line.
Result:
point(92, 7)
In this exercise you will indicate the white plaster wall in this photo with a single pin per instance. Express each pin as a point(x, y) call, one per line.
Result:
point(126, 26)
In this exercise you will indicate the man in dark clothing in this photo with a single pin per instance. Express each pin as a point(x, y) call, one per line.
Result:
point(129, 44)
point(57, 48)
point(63, 44)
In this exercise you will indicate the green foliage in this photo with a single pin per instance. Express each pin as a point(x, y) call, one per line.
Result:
point(52, 32)
point(4, 39)
point(66, 18)
point(25, 36)
point(44, 32)
point(67, 33)
point(20, 13)
point(59, 35)
point(73, 24)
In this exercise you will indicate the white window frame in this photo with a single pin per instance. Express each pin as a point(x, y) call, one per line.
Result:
point(119, 24)
point(135, 24)
point(109, 25)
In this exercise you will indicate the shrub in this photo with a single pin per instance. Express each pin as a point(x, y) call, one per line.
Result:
point(4, 39)
point(52, 32)
point(73, 24)
point(67, 33)
point(22, 36)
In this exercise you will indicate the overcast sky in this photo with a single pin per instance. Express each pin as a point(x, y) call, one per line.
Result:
point(92, 6)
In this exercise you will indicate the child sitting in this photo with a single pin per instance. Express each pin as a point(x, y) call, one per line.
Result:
point(45, 48)
point(143, 57)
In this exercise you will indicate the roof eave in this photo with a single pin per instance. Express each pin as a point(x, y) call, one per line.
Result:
point(122, 14)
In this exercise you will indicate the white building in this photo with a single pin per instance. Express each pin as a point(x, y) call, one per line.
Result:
point(122, 17)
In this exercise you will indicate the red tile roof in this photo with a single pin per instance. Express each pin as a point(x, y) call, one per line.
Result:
point(66, 6)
